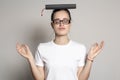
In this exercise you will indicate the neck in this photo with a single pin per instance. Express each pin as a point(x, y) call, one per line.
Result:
point(61, 40)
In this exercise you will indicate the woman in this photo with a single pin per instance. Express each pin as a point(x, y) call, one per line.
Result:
point(61, 58)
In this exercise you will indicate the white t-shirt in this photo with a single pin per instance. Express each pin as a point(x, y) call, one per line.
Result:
point(61, 62)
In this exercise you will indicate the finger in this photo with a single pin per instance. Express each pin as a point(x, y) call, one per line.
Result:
point(26, 47)
point(101, 44)
point(98, 52)
point(23, 45)
point(100, 47)
point(93, 46)
point(96, 45)
point(18, 46)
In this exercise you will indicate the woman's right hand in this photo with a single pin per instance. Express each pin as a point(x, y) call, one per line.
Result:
point(24, 50)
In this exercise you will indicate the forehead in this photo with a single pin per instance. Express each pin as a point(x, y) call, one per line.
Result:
point(61, 15)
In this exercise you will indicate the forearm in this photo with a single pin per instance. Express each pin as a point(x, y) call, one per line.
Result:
point(35, 71)
point(94, 51)
point(84, 75)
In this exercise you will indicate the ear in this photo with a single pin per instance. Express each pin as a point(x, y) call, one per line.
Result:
point(52, 24)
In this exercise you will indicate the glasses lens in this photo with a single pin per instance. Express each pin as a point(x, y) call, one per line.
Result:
point(56, 21)
point(65, 21)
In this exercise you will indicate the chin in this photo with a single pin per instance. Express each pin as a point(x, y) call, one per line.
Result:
point(61, 34)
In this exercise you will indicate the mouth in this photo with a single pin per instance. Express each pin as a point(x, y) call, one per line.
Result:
point(61, 28)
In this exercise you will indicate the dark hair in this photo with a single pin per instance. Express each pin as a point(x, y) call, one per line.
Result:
point(56, 10)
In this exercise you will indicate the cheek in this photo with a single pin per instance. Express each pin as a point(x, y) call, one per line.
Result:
point(54, 28)
point(68, 27)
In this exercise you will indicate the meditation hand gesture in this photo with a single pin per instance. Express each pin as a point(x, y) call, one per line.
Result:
point(24, 50)
point(95, 50)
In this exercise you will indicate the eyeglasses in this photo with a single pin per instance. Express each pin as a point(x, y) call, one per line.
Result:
point(58, 21)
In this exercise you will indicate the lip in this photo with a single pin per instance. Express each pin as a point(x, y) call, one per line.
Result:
point(61, 28)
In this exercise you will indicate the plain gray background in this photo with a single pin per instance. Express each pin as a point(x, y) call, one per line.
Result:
point(92, 21)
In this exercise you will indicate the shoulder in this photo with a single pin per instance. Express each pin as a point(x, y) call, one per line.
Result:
point(79, 48)
point(77, 44)
point(45, 44)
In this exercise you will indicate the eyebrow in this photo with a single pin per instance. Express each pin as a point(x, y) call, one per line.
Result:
point(59, 19)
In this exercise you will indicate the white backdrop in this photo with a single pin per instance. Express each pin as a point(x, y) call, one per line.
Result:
point(92, 21)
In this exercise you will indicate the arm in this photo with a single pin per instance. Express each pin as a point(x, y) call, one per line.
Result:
point(38, 72)
point(84, 72)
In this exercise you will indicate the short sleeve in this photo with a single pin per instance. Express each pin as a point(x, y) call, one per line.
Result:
point(38, 58)
point(83, 57)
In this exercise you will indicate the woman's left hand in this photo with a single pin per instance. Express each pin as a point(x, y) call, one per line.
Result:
point(95, 50)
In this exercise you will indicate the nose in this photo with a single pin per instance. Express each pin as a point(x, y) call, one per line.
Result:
point(61, 23)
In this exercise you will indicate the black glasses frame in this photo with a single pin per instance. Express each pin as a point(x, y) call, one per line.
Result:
point(64, 21)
